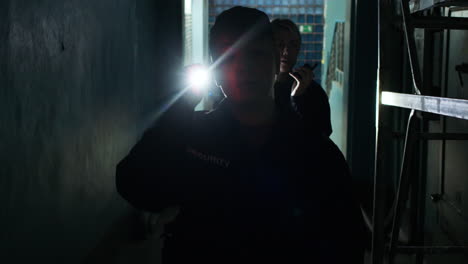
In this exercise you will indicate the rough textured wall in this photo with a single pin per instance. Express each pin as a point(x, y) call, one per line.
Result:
point(76, 79)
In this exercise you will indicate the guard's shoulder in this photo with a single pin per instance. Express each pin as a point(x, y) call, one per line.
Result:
point(204, 118)
point(331, 148)
point(206, 123)
point(330, 157)
point(200, 115)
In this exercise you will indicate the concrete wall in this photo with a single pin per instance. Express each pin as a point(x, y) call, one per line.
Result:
point(77, 80)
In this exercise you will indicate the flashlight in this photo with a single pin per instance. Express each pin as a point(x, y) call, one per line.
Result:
point(298, 78)
point(198, 77)
point(307, 66)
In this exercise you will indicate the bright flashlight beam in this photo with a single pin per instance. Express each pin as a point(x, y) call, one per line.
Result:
point(155, 115)
point(198, 78)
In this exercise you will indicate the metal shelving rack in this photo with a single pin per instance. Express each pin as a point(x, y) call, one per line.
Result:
point(385, 243)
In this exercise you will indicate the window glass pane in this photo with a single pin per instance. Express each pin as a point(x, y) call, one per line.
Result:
point(301, 19)
point(319, 19)
point(293, 18)
point(318, 28)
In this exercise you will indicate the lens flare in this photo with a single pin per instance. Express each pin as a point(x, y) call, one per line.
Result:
point(198, 78)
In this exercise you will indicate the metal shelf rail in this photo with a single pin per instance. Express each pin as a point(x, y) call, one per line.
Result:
point(457, 108)
point(420, 5)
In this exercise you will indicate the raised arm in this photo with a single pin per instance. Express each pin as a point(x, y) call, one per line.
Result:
point(313, 108)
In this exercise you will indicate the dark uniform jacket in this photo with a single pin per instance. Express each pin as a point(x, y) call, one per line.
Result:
point(289, 201)
point(312, 108)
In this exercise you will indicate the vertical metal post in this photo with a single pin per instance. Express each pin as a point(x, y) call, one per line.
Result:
point(378, 217)
point(410, 43)
point(378, 233)
point(419, 186)
point(418, 199)
point(403, 186)
point(443, 118)
point(404, 182)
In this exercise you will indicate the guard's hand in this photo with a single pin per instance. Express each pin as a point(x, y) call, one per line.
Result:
point(303, 77)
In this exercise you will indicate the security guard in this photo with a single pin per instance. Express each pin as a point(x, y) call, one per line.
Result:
point(251, 185)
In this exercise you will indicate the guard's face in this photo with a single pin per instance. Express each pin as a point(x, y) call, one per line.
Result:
point(288, 44)
point(247, 73)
